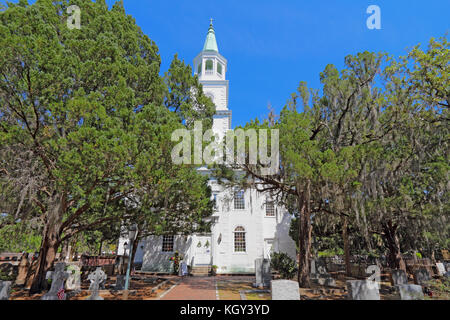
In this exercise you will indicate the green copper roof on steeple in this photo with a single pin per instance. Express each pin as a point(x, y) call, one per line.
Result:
point(211, 43)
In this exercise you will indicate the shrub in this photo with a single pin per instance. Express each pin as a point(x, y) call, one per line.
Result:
point(284, 265)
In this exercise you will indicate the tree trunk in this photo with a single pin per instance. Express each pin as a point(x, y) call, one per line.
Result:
point(46, 259)
point(134, 249)
point(49, 245)
point(395, 257)
point(100, 248)
point(304, 238)
point(346, 246)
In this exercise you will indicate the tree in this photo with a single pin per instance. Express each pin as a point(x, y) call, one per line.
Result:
point(79, 110)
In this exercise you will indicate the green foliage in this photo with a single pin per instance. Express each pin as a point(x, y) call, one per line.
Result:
point(283, 264)
point(86, 124)
point(20, 237)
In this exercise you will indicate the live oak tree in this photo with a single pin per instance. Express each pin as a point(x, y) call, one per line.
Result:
point(367, 158)
point(82, 115)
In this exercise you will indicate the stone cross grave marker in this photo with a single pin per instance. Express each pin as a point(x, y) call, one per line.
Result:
point(58, 277)
point(398, 276)
point(74, 280)
point(410, 292)
point(97, 278)
point(5, 289)
point(263, 273)
point(285, 290)
point(362, 290)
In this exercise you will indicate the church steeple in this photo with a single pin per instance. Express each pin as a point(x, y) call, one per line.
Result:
point(211, 68)
point(210, 42)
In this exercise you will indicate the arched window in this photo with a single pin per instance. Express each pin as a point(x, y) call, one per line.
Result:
point(209, 66)
point(219, 68)
point(239, 240)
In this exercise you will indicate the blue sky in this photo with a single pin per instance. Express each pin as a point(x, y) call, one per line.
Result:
point(273, 45)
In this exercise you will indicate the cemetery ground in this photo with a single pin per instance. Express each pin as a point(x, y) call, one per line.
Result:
point(170, 287)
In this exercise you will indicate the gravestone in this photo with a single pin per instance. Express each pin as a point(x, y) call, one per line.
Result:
point(97, 278)
point(183, 269)
point(285, 290)
point(120, 282)
point(441, 268)
point(24, 265)
point(320, 275)
point(421, 276)
point(263, 273)
point(362, 290)
point(313, 267)
point(58, 277)
point(5, 289)
point(398, 277)
point(74, 280)
point(326, 280)
point(410, 292)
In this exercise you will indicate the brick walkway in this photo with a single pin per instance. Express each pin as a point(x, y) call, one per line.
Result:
point(193, 288)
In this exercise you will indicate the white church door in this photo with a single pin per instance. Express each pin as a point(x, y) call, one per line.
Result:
point(202, 250)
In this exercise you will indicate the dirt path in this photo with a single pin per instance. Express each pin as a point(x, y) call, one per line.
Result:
point(193, 288)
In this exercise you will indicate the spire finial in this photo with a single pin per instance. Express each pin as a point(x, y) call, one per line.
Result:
point(211, 22)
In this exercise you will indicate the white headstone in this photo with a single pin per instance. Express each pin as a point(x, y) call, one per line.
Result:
point(410, 292)
point(5, 289)
point(285, 290)
point(97, 278)
point(58, 277)
point(441, 268)
point(362, 290)
point(74, 280)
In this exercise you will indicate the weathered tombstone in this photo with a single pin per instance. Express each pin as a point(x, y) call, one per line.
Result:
point(321, 266)
point(263, 273)
point(58, 277)
point(183, 269)
point(326, 280)
point(313, 267)
point(320, 275)
point(24, 265)
point(410, 292)
point(285, 290)
point(441, 268)
point(120, 282)
point(362, 290)
point(5, 290)
point(97, 278)
point(421, 276)
point(398, 277)
point(74, 280)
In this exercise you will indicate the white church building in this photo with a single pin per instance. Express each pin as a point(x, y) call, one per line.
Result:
point(246, 224)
